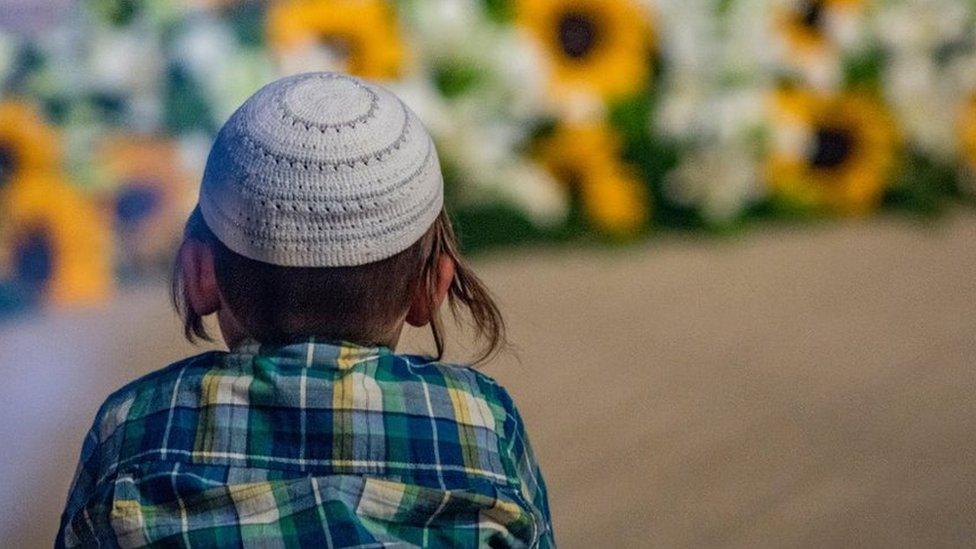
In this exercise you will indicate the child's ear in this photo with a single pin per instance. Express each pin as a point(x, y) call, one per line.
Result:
point(422, 308)
point(199, 277)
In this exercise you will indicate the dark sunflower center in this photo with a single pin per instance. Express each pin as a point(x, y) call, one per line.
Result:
point(578, 34)
point(811, 13)
point(832, 147)
point(34, 258)
point(135, 203)
point(8, 164)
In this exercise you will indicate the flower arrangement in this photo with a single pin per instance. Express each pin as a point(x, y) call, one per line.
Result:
point(557, 120)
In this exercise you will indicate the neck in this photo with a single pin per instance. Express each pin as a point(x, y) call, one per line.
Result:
point(234, 334)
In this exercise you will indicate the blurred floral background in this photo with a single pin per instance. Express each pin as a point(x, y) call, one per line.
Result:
point(558, 121)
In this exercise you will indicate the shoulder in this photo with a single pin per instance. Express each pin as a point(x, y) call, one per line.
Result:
point(458, 376)
point(147, 391)
point(159, 379)
point(463, 379)
point(105, 443)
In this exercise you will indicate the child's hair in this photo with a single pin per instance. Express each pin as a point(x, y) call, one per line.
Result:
point(359, 304)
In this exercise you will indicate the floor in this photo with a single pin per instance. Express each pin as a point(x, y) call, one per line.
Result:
point(799, 388)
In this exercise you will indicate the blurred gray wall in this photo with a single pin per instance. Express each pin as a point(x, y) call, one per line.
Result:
point(31, 16)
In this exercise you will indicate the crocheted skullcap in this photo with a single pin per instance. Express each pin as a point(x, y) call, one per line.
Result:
point(321, 170)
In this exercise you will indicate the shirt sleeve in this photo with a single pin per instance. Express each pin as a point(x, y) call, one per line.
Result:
point(80, 524)
point(533, 485)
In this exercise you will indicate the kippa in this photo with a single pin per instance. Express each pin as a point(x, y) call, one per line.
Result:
point(321, 170)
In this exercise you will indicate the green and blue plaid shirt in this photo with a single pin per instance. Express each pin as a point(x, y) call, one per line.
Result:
point(308, 445)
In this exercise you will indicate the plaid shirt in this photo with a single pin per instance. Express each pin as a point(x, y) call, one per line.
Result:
point(307, 445)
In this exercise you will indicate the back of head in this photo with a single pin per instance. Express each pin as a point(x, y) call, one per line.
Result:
point(322, 205)
point(321, 170)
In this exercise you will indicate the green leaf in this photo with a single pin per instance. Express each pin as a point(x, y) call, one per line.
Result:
point(499, 10)
point(923, 186)
point(118, 13)
point(185, 106)
point(454, 78)
point(247, 20)
point(490, 226)
point(654, 156)
point(864, 70)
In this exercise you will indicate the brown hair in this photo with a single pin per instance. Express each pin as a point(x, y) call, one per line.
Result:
point(358, 304)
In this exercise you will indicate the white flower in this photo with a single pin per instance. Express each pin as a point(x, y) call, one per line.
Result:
point(920, 26)
point(419, 94)
point(440, 24)
point(485, 152)
point(510, 76)
point(124, 62)
point(80, 134)
point(227, 72)
point(520, 77)
point(931, 69)
point(721, 69)
point(491, 170)
point(693, 183)
point(481, 128)
point(843, 33)
point(63, 73)
point(491, 174)
point(535, 191)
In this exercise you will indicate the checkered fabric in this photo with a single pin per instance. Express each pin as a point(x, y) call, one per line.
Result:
point(308, 445)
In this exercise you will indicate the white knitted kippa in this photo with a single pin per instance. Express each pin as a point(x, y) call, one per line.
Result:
point(321, 170)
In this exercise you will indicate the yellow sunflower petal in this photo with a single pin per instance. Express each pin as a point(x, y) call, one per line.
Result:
point(597, 46)
point(27, 142)
point(576, 149)
point(967, 132)
point(615, 203)
point(363, 32)
point(586, 158)
point(837, 154)
point(69, 238)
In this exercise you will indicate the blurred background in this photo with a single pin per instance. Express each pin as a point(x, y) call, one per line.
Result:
point(734, 239)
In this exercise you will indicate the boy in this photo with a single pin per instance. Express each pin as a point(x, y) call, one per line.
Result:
point(319, 232)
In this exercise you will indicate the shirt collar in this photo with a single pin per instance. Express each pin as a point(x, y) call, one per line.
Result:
point(309, 353)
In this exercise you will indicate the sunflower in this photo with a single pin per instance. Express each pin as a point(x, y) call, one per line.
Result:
point(27, 143)
point(360, 36)
point(834, 152)
point(148, 196)
point(586, 158)
point(55, 241)
point(600, 47)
